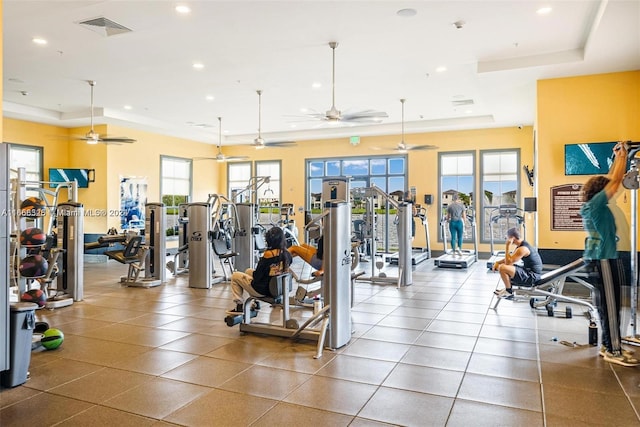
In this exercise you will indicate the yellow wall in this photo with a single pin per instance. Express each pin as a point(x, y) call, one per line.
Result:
point(595, 108)
point(141, 159)
point(53, 139)
point(422, 165)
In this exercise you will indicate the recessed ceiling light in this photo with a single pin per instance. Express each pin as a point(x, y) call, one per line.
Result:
point(39, 40)
point(128, 107)
point(292, 126)
point(225, 131)
point(303, 110)
point(544, 10)
point(468, 111)
point(316, 85)
point(198, 65)
point(210, 97)
point(181, 8)
point(441, 69)
point(407, 13)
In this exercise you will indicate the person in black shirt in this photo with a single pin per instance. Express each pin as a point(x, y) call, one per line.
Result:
point(510, 273)
point(275, 261)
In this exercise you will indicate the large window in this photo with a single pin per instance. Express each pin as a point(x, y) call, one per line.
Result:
point(457, 178)
point(387, 173)
point(268, 193)
point(499, 171)
point(175, 187)
point(262, 187)
point(239, 174)
point(27, 157)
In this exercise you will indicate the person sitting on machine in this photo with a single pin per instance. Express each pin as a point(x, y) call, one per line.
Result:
point(310, 255)
point(510, 273)
point(274, 261)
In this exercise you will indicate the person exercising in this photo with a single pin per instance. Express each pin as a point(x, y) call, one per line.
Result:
point(600, 252)
point(511, 273)
point(455, 217)
point(275, 261)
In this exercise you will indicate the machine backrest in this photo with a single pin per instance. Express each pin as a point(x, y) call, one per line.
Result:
point(221, 243)
point(132, 248)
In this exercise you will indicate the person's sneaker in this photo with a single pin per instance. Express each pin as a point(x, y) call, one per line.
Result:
point(621, 359)
point(459, 252)
point(501, 293)
point(239, 309)
point(626, 352)
point(255, 305)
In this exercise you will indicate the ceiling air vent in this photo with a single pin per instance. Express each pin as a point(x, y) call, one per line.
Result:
point(104, 26)
point(462, 102)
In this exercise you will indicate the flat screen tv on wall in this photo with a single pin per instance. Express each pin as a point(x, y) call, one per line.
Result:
point(590, 158)
point(82, 176)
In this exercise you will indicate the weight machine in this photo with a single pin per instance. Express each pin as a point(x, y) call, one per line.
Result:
point(334, 316)
point(404, 218)
point(255, 182)
point(417, 254)
point(631, 181)
point(212, 226)
point(180, 262)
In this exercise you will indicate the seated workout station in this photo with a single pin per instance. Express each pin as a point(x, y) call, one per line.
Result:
point(360, 213)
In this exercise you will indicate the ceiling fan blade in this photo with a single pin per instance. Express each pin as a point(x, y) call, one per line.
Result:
point(221, 158)
point(235, 158)
point(371, 115)
point(422, 147)
point(117, 139)
point(280, 144)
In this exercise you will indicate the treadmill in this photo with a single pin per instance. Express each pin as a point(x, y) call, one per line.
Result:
point(417, 254)
point(468, 257)
point(509, 216)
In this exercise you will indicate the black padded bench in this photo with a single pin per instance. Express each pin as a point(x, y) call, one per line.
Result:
point(550, 286)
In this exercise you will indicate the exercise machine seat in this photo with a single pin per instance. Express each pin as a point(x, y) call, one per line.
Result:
point(129, 254)
point(133, 254)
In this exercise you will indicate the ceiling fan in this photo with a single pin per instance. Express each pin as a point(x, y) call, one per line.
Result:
point(402, 147)
point(220, 157)
point(93, 137)
point(259, 142)
point(334, 115)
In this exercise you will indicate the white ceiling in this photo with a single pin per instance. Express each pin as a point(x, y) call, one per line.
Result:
point(281, 48)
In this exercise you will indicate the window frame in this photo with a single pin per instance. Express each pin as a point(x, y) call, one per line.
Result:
point(387, 176)
point(472, 205)
point(484, 229)
point(25, 147)
point(188, 161)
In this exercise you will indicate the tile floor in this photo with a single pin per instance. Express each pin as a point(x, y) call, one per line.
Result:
point(433, 353)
